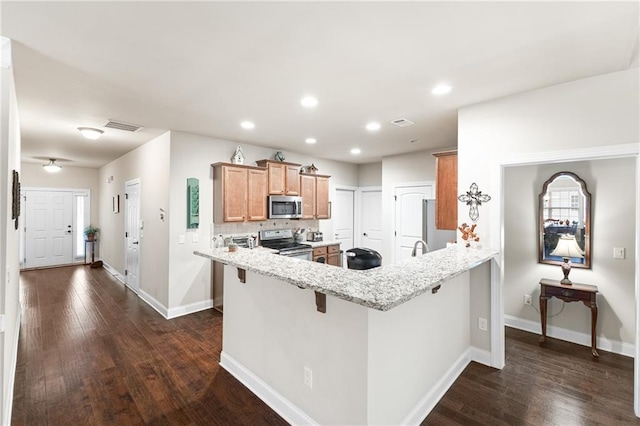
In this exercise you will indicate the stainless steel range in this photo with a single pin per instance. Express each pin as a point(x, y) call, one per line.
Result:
point(282, 240)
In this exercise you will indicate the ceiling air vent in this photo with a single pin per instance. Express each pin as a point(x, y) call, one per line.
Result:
point(112, 124)
point(402, 122)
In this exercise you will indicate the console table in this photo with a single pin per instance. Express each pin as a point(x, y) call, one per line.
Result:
point(569, 293)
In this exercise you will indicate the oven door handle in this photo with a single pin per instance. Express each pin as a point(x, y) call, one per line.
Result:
point(295, 252)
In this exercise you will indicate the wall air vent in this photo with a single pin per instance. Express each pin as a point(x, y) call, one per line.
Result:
point(112, 124)
point(402, 122)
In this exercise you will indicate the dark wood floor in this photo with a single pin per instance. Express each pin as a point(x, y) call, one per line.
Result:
point(91, 352)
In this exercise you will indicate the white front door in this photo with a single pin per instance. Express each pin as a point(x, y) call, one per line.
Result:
point(371, 219)
point(132, 234)
point(48, 228)
point(409, 201)
point(343, 218)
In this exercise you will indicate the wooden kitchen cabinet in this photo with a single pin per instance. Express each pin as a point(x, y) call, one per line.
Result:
point(314, 190)
point(329, 254)
point(447, 190)
point(239, 193)
point(283, 178)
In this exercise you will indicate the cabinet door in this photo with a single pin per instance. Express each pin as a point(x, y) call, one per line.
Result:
point(276, 179)
point(308, 193)
point(292, 179)
point(256, 195)
point(322, 197)
point(234, 194)
point(334, 259)
point(446, 191)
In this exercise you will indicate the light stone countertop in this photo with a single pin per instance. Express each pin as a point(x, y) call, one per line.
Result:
point(315, 244)
point(381, 288)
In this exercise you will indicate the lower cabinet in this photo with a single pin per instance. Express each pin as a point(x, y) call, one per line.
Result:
point(327, 254)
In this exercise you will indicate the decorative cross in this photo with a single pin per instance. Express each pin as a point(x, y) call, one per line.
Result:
point(474, 198)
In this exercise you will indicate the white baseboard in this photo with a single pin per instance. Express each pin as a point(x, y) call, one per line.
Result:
point(151, 301)
point(602, 343)
point(435, 394)
point(295, 416)
point(189, 309)
point(278, 403)
point(8, 398)
point(480, 356)
point(110, 269)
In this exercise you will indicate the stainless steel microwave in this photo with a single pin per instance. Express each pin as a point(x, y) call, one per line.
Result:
point(285, 207)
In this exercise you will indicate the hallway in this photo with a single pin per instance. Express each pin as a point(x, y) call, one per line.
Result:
point(91, 352)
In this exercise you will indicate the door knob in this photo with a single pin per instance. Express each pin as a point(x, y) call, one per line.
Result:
point(365, 234)
point(68, 231)
point(135, 242)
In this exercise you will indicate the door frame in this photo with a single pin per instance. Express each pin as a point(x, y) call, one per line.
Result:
point(497, 169)
point(353, 189)
point(126, 202)
point(74, 217)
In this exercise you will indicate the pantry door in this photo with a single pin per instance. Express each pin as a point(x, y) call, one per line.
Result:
point(48, 228)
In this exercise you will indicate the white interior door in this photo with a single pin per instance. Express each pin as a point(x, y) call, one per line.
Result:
point(48, 228)
point(409, 217)
point(371, 219)
point(343, 218)
point(132, 234)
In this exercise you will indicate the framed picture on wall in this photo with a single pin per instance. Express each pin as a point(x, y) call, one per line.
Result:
point(116, 203)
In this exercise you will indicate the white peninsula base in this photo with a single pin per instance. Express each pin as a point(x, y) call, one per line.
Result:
point(367, 366)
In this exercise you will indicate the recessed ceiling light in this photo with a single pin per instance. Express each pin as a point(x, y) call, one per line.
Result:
point(441, 89)
point(310, 140)
point(90, 132)
point(355, 151)
point(247, 125)
point(309, 102)
point(373, 126)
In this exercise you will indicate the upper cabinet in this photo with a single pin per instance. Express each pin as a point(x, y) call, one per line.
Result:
point(283, 177)
point(239, 193)
point(446, 190)
point(314, 190)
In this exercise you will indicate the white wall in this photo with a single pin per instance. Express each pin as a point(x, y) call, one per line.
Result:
point(370, 174)
point(612, 185)
point(34, 175)
point(595, 112)
point(9, 236)
point(150, 163)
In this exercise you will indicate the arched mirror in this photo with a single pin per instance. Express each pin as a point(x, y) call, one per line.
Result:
point(565, 211)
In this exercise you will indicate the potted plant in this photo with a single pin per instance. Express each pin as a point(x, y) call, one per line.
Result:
point(90, 232)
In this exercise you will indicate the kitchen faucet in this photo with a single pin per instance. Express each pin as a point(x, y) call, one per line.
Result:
point(425, 248)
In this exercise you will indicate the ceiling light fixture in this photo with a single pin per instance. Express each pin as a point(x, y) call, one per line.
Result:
point(441, 89)
point(247, 125)
point(90, 132)
point(355, 151)
point(373, 126)
point(310, 140)
point(51, 166)
point(309, 102)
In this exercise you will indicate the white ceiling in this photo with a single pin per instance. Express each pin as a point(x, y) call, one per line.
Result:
point(203, 67)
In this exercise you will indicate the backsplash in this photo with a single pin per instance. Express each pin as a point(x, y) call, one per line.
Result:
point(228, 229)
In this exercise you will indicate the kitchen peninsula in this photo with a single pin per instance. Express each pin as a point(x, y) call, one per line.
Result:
point(390, 341)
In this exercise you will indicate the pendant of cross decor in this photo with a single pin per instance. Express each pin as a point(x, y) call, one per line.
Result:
point(474, 198)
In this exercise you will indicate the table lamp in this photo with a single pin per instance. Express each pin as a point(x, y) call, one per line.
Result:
point(567, 247)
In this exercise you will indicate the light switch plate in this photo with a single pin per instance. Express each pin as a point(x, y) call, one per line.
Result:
point(618, 252)
point(181, 239)
point(194, 237)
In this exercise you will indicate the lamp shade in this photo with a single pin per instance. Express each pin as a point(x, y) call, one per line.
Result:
point(567, 247)
point(51, 166)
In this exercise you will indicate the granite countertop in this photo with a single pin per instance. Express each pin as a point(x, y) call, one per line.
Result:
point(381, 288)
point(315, 244)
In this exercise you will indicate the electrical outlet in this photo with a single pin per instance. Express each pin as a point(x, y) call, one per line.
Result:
point(618, 252)
point(482, 323)
point(527, 299)
point(194, 237)
point(181, 239)
point(308, 377)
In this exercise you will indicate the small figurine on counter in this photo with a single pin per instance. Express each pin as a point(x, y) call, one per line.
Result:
point(468, 234)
